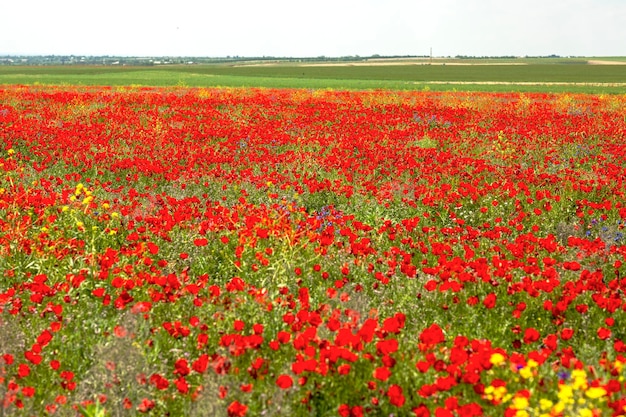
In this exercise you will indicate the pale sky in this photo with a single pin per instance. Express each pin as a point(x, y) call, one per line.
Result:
point(331, 28)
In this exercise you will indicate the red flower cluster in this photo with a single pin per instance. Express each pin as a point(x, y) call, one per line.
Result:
point(342, 252)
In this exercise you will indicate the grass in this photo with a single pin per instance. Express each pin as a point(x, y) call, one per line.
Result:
point(550, 75)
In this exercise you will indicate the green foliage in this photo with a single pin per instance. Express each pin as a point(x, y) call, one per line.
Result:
point(550, 76)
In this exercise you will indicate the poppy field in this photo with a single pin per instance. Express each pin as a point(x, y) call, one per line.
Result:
point(225, 251)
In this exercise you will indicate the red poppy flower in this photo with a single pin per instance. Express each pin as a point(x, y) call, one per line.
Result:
point(159, 382)
point(44, 338)
point(386, 347)
point(33, 357)
point(200, 242)
point(201, 364)
point(119, 331)
point(394, 324)
point(284, 381)
point(432, 335)
point(181, 385)
point(396, 397)
point(567, 333)
point(343, 369)
point(235, 284)
point(28, 391)
point(382, 373)
point(443, 412)
point(146, 405)
point(346, 411)
point(490, 301)
point(421, 411)
point(23, 370)
point(531, 335)
point(181, 367)
point(237, 409)
point(604, 333)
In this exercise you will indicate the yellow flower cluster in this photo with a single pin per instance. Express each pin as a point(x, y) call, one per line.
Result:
point(521, 404)
point(575, 397)
point(496, 395)
point(529, 370)
point(497, 358)
point(80, 188)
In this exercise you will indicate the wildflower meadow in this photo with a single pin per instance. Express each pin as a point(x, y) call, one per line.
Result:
point(295, 252)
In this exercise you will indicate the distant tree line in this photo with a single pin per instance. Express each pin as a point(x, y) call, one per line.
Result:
point(166, 60)
point(503, 57)
point(190, 60)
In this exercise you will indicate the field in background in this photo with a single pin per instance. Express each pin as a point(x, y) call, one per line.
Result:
point(588, 75)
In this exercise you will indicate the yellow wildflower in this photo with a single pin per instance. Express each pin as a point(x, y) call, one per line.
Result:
point(496, 358)
point(526, 372)
point(566, 394)
point(595, 392)
point(559, 407)
point(579, 379)
point(495, 393)
point(545, 404)
point(520, 403)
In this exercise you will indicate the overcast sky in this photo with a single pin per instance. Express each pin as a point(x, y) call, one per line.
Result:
point(308, 29)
